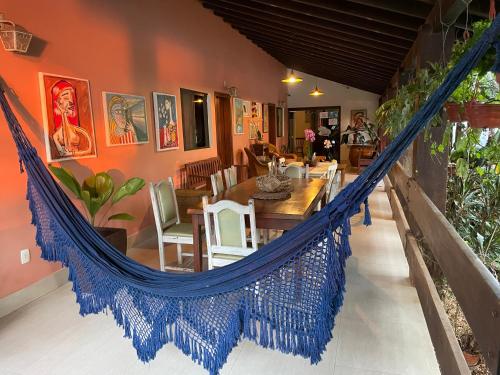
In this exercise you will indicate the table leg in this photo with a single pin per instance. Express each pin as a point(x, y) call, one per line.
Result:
point(197, 221)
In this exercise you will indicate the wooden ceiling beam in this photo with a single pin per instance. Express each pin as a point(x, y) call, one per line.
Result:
point(388, 71)
point(322, 50)
point(402, 21)
point(347, 46)
point(328, 15)
point(338, 24)
point(407, 7)
point(306, 25)
point(300, 56)
point(341, 78)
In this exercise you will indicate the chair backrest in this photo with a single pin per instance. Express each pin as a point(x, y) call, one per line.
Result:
point(333, 187)
point(164, 202)
point(231, 176)
point(255, 166)
point(198, 171)
point(294, 171)
point(217, 183)
point(225, 228)
point(330, 173)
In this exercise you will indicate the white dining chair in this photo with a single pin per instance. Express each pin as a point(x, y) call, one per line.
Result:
point(226, 231)
point(334, 187)
point(168, 225)
point(217, 183)
point(230, 175)
point(295, 171)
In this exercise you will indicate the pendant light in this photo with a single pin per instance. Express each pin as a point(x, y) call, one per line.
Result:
point(316, 91)
point(292, 78)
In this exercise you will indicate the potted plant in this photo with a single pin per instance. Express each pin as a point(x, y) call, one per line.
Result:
point(477, 99)
point(362, 141)
point(97, 191)
point(309, 138)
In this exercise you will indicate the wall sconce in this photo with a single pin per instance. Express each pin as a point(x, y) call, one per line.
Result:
point(14, 38)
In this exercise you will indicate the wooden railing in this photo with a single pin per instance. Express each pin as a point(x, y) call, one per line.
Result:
point(475, 288)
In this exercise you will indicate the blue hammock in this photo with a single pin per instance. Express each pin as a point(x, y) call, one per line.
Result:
point(284, 296)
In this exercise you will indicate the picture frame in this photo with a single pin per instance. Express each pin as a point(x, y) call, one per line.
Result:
point(125, 119)
point(238, 116)
point(247, 108)
point(265, 118)
point(69, 131)
point(280, 122)
point(358, 118)
point(166, 124)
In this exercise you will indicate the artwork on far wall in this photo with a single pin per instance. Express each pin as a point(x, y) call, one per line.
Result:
point(358, 117)
point(166, 129)
point(125, 119)
point(280, 122)
point(67, 117)
point(256, 110)
point(247, 110)
point(265, 119)
point(253, 129)
point(238, 115)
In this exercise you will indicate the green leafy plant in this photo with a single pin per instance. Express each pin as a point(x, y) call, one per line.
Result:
point(96, 190)
point(473, 202)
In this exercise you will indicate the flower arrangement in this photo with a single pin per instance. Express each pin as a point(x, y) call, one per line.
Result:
point(309, 137)
point(328, 145)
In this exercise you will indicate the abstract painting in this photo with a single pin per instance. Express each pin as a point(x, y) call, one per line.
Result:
point(67, 117)
point(247, 110)
point(238, 116)
point(125, 119)
point(253, 130)
point(166, 128)
point(256, 110)
point(358, 118)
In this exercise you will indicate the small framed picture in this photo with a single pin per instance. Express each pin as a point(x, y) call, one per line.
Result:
point(166, 127)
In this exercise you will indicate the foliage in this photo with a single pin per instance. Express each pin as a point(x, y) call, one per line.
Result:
point(365, 134)
point(473, 204)
point(479, 86)
point(96, 190)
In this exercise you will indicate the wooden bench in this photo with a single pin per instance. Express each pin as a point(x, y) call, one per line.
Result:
point(198, 173)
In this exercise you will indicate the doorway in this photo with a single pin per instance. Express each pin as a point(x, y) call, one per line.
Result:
point(223, 126)
point(324, 121)
point(272, 123)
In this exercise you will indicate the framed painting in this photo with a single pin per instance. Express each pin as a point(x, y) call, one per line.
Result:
point(125, 119)
point(238, 115)
point(358, 118)
point(256, 110)
point(265, 119)
point(253, 127)
point(67, 117)
point(280, 122)
point(166, 128)
point(247, 110)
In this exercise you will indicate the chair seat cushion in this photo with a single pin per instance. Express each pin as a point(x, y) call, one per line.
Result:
point(180, 230)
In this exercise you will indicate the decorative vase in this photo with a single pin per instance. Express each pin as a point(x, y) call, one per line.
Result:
point(478, 115)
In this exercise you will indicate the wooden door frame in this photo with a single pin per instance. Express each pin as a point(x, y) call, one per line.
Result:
point(272, 123)
point(224, 142)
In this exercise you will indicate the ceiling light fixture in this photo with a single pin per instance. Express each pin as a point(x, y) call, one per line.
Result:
point(292, 78)
point(316, 91)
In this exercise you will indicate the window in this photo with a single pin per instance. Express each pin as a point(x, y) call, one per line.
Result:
point(194, 119)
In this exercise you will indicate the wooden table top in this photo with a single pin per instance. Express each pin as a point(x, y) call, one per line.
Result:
point(304, 197)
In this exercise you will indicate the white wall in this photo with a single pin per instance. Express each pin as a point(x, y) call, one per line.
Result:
point(346, 97)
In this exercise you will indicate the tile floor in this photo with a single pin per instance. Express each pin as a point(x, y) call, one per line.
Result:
point(380, 330)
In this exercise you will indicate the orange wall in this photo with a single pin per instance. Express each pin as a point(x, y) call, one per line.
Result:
point(131, 47)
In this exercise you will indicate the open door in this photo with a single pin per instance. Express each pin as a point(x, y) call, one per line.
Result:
point(223, 125)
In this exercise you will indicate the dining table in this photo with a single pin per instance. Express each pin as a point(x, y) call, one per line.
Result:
point(269, 214)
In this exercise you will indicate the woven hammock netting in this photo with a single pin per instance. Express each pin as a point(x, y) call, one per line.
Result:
point(285, 296)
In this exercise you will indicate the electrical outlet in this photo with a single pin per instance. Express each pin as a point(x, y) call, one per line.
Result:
point(25, 256)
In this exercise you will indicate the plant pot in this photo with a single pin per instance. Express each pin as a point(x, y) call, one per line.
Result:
point(471, 359)
point(357, 152)
point(478, 115)
point(117, 237)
